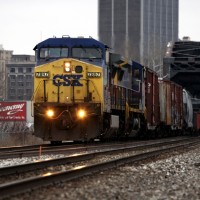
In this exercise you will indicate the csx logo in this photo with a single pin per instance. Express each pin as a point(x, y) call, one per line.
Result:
point(67, 80)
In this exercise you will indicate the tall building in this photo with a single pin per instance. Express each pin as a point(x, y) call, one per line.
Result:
point(20, 72)
point(139, 29)
point(5, 57)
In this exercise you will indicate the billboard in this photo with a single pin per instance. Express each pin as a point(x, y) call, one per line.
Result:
point(12, 111)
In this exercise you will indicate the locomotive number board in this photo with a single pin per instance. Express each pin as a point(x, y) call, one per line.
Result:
point(93, 74)
point(42, 74)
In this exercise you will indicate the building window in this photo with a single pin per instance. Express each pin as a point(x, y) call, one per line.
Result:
point(20, 91)
point(28, 84)
point(12, 91)
point(28, 91)
point(12, 84)
point(20, 84)
point(20, 97)
point(28, 70)
point(28, 77)
point(20, 77)
point(12, 96)
point(20, 70)
point(12, 77)
point(12, 70)
point(29, 97)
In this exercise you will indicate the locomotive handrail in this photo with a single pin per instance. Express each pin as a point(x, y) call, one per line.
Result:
point(130, 88)
point(96, 90)
point(32, 98)
point(39, 85)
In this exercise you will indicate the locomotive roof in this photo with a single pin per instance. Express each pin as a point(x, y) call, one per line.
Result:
point(70, 42)
point(136, 65)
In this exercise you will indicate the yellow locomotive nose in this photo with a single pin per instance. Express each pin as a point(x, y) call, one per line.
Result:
point(81, 114)
point(50, 113)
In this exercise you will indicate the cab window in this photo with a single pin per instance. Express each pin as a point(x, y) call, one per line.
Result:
point(53, 52)
point(85, 52)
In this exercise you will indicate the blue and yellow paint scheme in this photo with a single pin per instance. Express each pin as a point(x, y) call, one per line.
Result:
point(82, 91)
point(66, 87)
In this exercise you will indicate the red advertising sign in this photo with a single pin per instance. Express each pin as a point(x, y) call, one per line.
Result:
point(12, 111)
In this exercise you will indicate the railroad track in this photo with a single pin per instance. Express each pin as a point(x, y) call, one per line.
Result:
point(45, 149)
point(83, 167)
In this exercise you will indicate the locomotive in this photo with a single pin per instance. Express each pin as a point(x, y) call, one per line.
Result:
point(83, 91)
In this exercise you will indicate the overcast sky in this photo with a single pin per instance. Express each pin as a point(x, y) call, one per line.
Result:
point(24, 23)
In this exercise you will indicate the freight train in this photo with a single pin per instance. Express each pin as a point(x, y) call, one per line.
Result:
point(83, 91)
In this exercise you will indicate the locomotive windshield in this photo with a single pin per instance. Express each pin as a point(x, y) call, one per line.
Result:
point(53, 52)
point(84, 52)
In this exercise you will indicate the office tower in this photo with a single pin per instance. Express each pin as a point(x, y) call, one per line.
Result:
point(139, 29)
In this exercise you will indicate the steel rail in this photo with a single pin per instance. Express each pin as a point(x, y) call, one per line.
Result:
point(78, 158)
point(70, 149)
point(70, 144)
point(17, 187)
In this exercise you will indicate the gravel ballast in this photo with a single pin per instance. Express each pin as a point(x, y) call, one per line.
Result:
point(177, 177)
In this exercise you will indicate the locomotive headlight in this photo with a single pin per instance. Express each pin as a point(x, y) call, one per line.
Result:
point(50, 113)
point(81, 113)
point(67, 67)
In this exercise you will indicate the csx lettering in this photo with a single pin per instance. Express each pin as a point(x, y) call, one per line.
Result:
point(67, 80)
